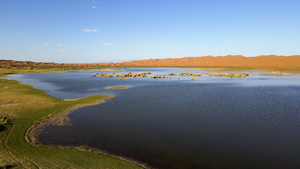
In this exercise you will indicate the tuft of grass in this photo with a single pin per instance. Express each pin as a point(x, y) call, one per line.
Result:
point(20, 107)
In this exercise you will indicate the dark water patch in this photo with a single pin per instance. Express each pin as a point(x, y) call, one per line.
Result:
point(192, 126)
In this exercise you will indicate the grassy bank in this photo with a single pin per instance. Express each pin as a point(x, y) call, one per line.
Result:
point(4, 72)
point(20, 106)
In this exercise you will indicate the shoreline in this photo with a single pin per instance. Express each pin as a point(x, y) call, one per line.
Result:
point(19, 149)
point(62, 119)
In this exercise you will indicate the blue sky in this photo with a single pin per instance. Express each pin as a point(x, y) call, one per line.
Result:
point(77, 31)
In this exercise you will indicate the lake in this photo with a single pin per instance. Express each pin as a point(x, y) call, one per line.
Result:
point(211, 122)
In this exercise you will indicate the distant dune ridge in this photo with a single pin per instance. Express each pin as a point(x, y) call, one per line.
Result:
point(230, 61)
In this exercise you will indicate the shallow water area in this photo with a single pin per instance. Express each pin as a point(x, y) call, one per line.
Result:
point(211, 122)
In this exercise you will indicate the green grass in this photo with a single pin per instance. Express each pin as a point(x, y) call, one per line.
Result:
point(4, 72)
point(117, 88)
point(23, 105)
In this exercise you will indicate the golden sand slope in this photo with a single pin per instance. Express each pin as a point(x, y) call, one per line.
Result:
point(230, 61)
point(236, 61)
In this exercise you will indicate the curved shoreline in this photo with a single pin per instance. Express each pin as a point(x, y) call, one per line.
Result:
point(58, 119)
point(62, 119)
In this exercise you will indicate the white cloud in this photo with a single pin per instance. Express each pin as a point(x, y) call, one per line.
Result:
point(93, 7)
point(90, 30)
point(62, 50)
point(20, 33)
point(60, 45)
point(34, 48)
point(107, 44)
point(46, 44)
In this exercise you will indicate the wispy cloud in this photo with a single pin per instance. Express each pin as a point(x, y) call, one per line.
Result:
point(90, 30)
point(60, 45)
point(60, 50)
point(107, 44)
point(104, 43)
point(47, 44)
point(20, 33)
point(34, 48)
point(96, 2)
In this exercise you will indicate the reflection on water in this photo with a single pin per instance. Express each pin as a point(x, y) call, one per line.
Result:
point(211, 122)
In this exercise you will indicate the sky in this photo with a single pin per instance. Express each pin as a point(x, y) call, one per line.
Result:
point(93, 31)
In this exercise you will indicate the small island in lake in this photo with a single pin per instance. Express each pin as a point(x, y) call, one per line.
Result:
point(117, 87)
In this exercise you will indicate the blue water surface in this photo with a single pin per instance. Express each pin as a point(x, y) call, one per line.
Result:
point(210, 122)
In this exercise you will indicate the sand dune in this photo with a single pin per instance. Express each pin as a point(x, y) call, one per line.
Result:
point(230, 61)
